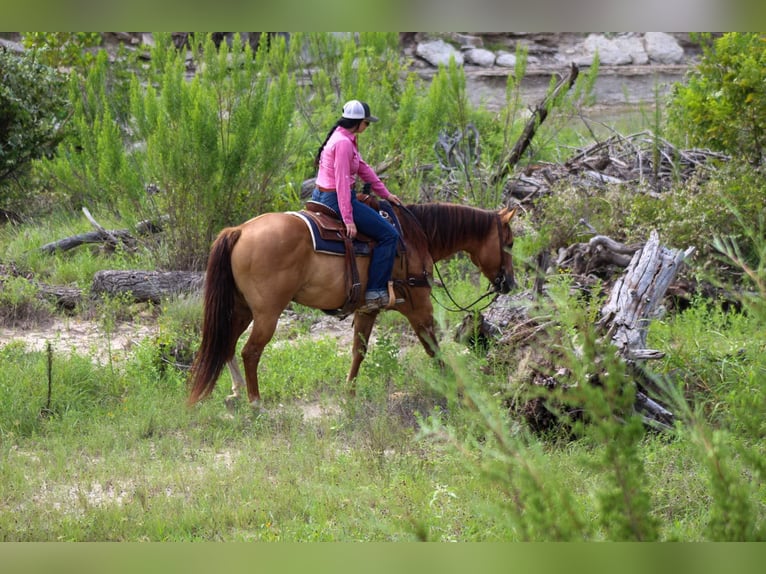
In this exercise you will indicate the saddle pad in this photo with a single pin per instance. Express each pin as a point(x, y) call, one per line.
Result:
point(322, 245)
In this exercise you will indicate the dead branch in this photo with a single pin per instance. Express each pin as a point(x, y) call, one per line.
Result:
point(109, 238)
point(538, 117)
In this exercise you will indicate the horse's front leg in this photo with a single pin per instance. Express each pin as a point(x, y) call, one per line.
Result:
point(363, 324)
point(421, 318)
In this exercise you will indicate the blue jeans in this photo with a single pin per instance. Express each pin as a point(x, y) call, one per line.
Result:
point(371, 223)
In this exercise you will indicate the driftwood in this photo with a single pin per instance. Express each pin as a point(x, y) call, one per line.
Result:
point(109, 238)
point(635, 298)
point(144, 286)
point(637, 295)
point(600, 252)
point(642, 161)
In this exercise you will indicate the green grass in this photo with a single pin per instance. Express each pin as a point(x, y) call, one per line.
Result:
point(122, 458)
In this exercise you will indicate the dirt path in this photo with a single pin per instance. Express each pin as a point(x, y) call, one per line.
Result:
point(72, 335)
point(88, 337)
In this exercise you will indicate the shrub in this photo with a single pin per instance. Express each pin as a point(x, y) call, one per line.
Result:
point(723, 104)
point(33, 111)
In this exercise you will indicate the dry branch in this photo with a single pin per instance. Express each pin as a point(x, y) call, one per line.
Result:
point(538, 117)
point(110, 238)
point(642, 161)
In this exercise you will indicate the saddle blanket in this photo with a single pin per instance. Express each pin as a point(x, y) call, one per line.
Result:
point(336, 247)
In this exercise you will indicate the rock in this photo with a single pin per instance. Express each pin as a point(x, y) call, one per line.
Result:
point(663, 48)
point(11, 46)
point(438, 52)
point(505, 60)
point(479, 57)
point(609, 53)
point(633, 46)
point(466, 41)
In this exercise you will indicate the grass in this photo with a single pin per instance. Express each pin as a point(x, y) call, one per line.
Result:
point(122, 458)
point(129, 462)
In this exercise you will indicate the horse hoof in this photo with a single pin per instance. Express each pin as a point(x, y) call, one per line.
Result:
point(231, 402)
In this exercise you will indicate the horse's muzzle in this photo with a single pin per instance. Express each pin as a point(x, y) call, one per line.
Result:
point(504, 282)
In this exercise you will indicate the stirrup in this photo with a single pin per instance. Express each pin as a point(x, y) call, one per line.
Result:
point(392, 300)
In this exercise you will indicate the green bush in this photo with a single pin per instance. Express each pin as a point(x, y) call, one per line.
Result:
point(63, 48)
point(33, 111)
point(723, 104)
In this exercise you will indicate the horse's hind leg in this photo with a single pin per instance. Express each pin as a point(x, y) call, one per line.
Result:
point(237, 382)
point(263, 329)
point(239, 324)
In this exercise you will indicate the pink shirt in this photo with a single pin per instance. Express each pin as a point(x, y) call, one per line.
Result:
point(339, 164)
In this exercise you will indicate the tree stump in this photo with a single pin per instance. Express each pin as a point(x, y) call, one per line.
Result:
point(637, 295)
point(634, 300)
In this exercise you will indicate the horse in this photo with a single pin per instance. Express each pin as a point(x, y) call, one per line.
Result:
point(257, 268)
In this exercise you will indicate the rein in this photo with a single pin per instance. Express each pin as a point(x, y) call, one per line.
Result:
point(458, 307)
point(497, 284)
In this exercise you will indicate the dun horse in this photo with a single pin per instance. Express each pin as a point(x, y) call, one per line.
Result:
point(257, 268)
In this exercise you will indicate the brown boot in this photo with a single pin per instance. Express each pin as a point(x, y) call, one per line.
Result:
point(374, 301)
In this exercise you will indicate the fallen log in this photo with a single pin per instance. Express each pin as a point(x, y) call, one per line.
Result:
point(109, 238)
point(115, 236)
point(64, 297)
point(146, 286)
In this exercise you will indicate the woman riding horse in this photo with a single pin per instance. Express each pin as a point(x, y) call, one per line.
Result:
point(339, 163)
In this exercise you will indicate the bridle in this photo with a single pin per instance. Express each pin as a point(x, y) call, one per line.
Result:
point(494, 288)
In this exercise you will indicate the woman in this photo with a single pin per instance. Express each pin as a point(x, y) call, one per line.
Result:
point(339, 163)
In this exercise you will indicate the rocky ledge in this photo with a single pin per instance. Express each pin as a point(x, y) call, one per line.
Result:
point(630, 53)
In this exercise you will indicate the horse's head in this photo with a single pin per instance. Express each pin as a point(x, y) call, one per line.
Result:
point(494, 259)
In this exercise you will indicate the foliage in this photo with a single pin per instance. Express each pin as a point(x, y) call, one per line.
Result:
point(92, 167)
point(208, 152)
point(723, 103)
point(33, 112)
point(20, 302)
point(57, 49)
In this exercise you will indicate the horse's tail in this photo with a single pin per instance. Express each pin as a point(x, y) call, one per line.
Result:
point(218, 343)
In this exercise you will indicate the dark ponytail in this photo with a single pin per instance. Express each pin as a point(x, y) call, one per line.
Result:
point(342, 122)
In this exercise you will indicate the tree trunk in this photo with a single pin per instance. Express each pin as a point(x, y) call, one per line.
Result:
point(636, 296)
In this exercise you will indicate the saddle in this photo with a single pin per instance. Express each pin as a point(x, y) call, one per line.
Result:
point(331, 228)
point(329, 236)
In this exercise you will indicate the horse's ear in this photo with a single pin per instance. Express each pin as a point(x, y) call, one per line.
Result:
point(506, 215)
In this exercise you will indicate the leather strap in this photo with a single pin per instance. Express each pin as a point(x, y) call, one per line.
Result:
point(353, 285)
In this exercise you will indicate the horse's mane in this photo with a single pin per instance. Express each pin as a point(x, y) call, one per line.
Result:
point(446, 224)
